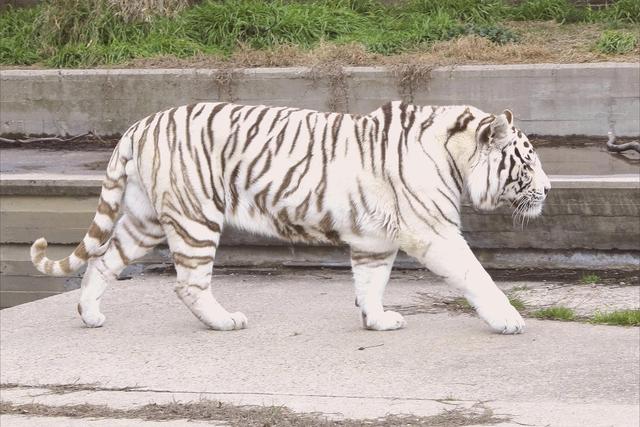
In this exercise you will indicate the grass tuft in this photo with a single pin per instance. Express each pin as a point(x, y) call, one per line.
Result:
point(590, 278)
point(462, 304)
point(470, 11)
point(624, 11)
point(517, 303)
point(542, 10)
point(18, 45)
point(616, 42)
point(618, 317)
point(261, 24)
point(147, 10)
point(554, 313)
point(80, 22)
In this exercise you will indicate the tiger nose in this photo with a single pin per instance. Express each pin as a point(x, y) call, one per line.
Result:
point(546, 189)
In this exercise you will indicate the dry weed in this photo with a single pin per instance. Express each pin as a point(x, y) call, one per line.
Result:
point(145, 10)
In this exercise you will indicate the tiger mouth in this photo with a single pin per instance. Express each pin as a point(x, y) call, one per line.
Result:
point(527, 207)
point(534, 210)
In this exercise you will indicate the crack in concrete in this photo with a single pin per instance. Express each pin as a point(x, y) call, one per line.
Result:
point(73, 388)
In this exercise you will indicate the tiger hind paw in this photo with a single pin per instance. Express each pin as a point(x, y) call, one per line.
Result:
point(384, 321)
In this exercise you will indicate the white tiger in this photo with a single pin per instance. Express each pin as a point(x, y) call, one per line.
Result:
point(389, 180)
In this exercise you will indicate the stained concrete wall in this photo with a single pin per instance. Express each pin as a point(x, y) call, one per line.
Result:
point(552, 99)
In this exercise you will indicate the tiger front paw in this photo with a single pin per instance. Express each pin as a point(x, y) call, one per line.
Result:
point(501, 316)
point(227, 322)
point(239, 320)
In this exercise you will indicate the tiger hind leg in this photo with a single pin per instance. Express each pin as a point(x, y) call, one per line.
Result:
point(193, 258)
point(134, 235)
point(132, 238)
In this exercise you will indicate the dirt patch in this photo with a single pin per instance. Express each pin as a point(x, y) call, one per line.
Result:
point(259, 416)
point(56, 142)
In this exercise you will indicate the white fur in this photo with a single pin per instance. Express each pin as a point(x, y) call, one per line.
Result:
point(390, 180)
point(94, 283)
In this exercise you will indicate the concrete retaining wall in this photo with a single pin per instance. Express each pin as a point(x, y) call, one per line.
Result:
point(552, 99)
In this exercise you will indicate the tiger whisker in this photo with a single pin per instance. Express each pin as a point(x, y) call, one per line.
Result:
point(519, 210)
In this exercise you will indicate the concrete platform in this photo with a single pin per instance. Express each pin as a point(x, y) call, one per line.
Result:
point(304, 349)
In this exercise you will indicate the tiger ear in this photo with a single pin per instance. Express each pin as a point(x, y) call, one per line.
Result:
point(509, 115)
point(501, 125)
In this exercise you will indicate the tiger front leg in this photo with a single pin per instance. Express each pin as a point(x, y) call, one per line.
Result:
point(450, 257)
point(371, 271)
point(199, 299)
point(193, 257)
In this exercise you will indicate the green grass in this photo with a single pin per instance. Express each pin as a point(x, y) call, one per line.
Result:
point(623, 11)
point(616, 42)
point(86, 33)
point(463, 305)
point(517, 303)
point(589, 278)
point(542, 10)
point(554, 313)
point(618, 317)
point(17, 41)
point(472, 11)
point(262, 24)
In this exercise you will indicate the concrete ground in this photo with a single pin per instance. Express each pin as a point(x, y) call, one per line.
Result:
point(304, 349)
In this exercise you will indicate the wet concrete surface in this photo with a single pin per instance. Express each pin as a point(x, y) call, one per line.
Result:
point(45, 161)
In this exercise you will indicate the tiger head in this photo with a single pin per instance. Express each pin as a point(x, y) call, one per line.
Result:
point(506, 169)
